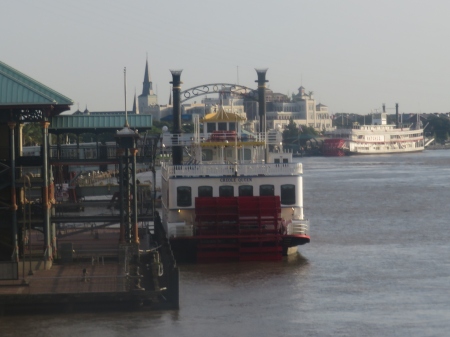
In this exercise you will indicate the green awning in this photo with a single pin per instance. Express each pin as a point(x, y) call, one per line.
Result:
point(77, 123)
point(18, 89)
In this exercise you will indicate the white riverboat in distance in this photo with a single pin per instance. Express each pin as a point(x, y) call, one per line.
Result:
point(377, 138)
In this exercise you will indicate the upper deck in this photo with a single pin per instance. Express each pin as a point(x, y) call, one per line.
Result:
point(221, 138)
point(220, 170)
point(377, 133)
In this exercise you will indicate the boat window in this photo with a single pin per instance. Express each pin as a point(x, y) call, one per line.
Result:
point(246, 191)
point(232, 126)
point(226, 191)
point(211, 127)
point(205, 191)
point(222, 126)
point(247, 154)
point(184, 197)
point(207, 154)
point(288, 194)
point(266, 190)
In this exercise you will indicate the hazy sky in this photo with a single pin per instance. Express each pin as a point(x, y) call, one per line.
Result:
point(354, 54)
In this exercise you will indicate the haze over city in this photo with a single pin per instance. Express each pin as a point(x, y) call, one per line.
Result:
point(354, 55)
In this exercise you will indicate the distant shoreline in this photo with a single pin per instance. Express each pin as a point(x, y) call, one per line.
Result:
point(438, 147)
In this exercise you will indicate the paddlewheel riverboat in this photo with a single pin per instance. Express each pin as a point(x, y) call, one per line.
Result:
point(237, 196)
point(377, 138)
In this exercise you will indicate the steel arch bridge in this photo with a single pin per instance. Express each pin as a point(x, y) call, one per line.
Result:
point(215, 88)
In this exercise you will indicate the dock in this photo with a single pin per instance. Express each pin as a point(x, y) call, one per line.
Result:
point(94, 272)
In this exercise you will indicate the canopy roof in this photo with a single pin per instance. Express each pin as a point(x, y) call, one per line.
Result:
point(223, 116)
point(98, 123)
point(18, 89)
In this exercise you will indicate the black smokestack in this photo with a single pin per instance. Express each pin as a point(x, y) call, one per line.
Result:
point(396, 115)
point(262, 98)
point(177, 150)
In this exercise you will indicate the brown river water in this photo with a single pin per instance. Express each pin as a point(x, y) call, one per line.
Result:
point(378, 265)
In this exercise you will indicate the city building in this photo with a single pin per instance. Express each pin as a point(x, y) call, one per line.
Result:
point(302, 109)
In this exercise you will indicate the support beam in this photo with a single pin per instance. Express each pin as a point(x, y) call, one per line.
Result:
point(15, 240)
point(126, 141)
point(135, 233)
point(120, 153)
point(46, 206)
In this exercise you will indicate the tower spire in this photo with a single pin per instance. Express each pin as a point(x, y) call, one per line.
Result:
point(147, 84)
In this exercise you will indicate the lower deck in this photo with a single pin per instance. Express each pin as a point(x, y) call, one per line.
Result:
point(237, 229)
point(385, 148)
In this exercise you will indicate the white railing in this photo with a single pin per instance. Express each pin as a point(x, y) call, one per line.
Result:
point(299, 227)
point(269, 138)
point(253, 169)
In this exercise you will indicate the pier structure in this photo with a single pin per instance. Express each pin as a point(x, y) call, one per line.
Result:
point(61, 246)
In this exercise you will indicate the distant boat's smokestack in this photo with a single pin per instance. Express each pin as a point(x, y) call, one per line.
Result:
point(384, 107)
point(177, 150)
point(396, 115)
point(262, 98)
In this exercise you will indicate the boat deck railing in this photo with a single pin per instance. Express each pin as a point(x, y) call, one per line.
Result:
point(389, 128)
point(269, 138)
point(209, 170)
point(298, 227)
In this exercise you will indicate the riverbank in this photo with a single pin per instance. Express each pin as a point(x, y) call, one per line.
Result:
point(445, 146)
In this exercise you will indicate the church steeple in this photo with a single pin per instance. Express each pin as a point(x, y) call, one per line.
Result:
point(147, 84)
point(148, 101)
